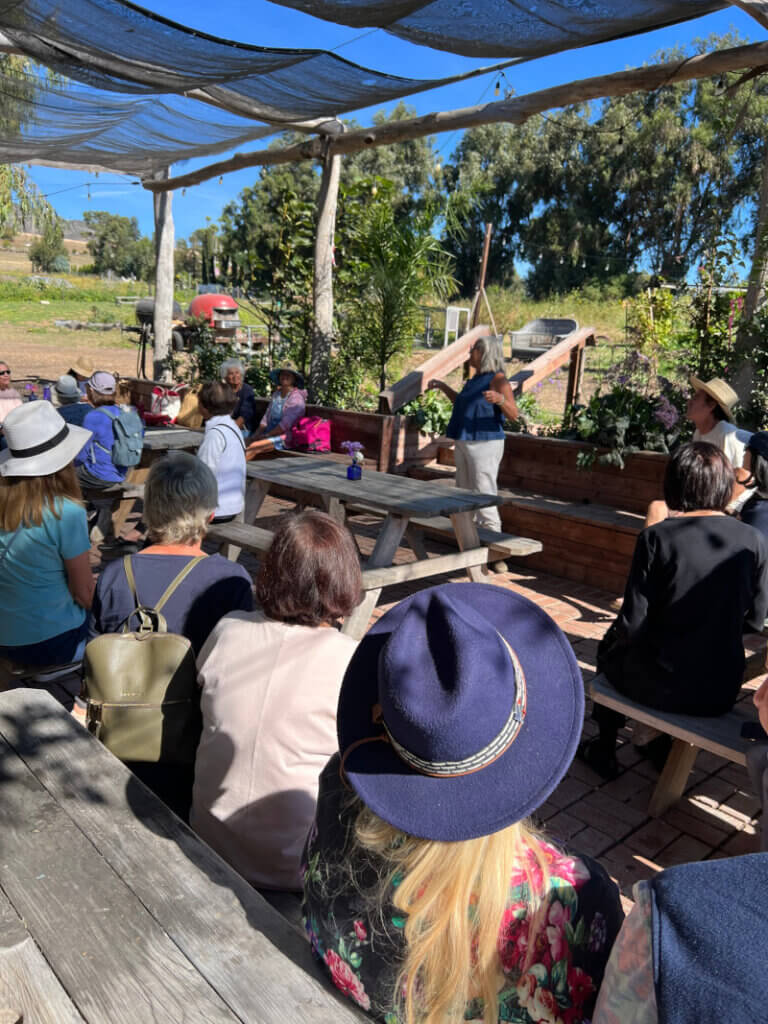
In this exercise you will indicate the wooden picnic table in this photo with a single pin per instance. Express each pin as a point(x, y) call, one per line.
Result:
point(158, 441)
point(112, 911)
point(398, 498)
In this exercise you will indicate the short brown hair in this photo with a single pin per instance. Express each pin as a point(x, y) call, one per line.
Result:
point(311, 573)
point(699, 477)
point(217, 397)
point(23, 499)
point(96, 399)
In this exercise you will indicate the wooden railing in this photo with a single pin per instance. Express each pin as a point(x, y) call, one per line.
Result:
point(569, 350)
point(440, 365)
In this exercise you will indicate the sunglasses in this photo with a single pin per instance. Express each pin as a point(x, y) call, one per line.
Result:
point(5, 373)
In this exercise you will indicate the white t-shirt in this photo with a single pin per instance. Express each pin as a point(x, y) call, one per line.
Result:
point(223, 451)
point(729, 439)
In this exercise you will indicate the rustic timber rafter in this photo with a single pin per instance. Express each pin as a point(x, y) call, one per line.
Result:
point(757, 9)
point(516, 110)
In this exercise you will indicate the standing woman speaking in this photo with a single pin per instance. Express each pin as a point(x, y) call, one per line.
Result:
point(476, 424)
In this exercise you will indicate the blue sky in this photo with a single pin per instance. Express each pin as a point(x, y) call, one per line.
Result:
point(265, 24)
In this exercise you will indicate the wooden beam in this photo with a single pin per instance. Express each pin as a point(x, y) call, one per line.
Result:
point(163, 314)
point(322, 334)
point(758, 9)
point(439, 365)
point(550, 361)
point(515, 110)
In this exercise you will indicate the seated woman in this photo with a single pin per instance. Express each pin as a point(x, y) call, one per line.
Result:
point(244, 411)
point(46, 584)
point(698, 581)
point(9, 397)
point(179, 498)
point(286, 407)
point(222, 449)
point(754, 477)
point(685, 953)
point(428, 895)
point(97, 470)
point(270, 685)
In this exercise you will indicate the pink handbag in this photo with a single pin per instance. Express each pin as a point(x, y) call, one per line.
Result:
point(310, 434)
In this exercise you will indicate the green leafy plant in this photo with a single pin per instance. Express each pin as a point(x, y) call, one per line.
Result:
point(431, 411)
point(640, 411)
point(205, 354)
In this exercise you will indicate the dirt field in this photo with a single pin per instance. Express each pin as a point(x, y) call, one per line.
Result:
point(46, 358)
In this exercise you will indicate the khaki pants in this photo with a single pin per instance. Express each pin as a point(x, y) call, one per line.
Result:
point(477, 466)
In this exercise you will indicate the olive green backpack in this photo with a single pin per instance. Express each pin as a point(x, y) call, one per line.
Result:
point(143, 701)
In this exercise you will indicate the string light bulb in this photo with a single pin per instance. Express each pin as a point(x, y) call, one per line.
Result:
point(374, 189)
point(88, 194)
point(438, 167)
point(497, 88)
point(183, 191)
point(606, 268)
point(562, 261)
point(221, 179)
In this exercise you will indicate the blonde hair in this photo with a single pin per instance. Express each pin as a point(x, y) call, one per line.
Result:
point(455, 896)
point(23, 499)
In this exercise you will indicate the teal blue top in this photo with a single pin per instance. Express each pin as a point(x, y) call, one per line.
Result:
point(474, 418)
point(35, 602)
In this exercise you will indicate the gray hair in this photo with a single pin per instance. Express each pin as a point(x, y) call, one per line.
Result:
point(232, 364)
point(493, 354)
point(179, 497)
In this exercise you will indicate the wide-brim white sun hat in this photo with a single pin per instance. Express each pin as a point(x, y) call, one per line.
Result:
point(40, 442)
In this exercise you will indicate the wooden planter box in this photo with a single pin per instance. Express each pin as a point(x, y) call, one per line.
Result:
point(547, 466)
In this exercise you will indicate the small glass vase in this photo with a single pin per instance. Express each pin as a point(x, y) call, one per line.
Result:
point(354, 472)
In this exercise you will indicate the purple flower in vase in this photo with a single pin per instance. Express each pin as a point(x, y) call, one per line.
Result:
point(354, 450)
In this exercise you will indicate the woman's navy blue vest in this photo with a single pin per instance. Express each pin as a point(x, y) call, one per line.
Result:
point(709, 924)
point(473, 418)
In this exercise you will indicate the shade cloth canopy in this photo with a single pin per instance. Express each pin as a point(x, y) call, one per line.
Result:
point(506, 28)
point(134, 90)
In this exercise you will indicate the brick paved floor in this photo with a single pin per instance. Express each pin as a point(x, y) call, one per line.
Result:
point(718, 813)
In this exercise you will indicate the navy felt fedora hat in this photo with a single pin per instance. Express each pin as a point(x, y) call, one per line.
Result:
point(460, 711)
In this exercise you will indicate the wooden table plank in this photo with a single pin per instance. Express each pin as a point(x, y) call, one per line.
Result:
point(385, 491)
point(114, 960)
point(27, 983)
point(259, 966)
point(164, 439)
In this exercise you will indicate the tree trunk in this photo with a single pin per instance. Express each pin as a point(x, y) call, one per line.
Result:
point(322, 336)
point(163, 281)
point(758, 275)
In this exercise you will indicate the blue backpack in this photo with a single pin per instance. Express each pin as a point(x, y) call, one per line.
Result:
point(128, 437)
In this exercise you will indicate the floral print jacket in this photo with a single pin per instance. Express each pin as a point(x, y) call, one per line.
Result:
point(362, 946)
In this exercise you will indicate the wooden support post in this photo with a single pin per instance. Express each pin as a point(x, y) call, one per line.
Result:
point(575, 376)
point(673, 778)
point(385, 444)
point(323, 277)
point(164, 243)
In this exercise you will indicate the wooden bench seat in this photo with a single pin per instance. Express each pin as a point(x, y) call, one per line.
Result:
point(691, 733)
point(586, 542)
point(235, 537)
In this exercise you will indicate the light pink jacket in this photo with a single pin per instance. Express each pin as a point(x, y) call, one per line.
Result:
point(269, 726)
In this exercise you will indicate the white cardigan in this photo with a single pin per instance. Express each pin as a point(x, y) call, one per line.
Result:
point(223, 451)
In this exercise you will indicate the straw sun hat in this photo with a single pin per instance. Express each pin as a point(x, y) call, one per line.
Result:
point(460, 712)
point(40, 442)
point(719, 391)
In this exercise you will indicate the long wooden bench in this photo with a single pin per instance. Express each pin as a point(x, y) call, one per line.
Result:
point(585, 542)
point(691, 733)
point(235, 537)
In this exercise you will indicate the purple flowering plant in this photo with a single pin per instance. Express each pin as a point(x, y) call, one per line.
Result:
point(354, 450)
